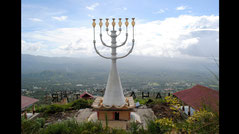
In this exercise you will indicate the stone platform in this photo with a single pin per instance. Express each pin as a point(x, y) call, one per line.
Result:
point(142, 116)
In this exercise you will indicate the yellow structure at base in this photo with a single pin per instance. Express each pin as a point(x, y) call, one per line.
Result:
point(123, 115)
point(113, 113)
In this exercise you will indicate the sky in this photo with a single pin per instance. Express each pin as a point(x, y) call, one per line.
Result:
point(164, 28)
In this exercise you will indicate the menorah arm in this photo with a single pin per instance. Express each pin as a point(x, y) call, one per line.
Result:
point(124, 41)
point(103, 41)
point(99, 53)
point(108, 33)
point(119, 33)
point(128, 52)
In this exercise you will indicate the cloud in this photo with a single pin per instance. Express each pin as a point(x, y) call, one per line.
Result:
point(91, 16)
point(159, 12)
point(65, 41)
point(93, 6)
point(29, 47)
point(35, 19)
point(181, 8)
point(120, 9)
point(61, 18)
point(182, 36)
point(188, 42)
point(206, 46)
point(178, 36)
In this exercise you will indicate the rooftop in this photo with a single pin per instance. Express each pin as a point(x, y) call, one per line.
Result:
point(198, 96)
point(87, 95)
point(27, 101)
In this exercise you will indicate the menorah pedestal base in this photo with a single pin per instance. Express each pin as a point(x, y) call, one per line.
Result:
point(114, 91)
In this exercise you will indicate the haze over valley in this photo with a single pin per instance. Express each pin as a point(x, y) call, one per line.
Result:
point(136, 72)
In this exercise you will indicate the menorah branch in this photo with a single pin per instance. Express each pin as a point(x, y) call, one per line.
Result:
point(99, 53)
point(130, 51)
point(124, 41)
point(103, 41)
point(113, 36)
point(108, 33)
point(119, 33)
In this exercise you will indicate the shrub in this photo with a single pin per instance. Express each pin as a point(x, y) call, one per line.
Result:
point(153, 127)
point(165, 124)
point(41, 121)
point(172, 101)
point(77, 104)
point(31, 126)
point(142, 101)
point(73, 127)
point(94, 127)
point(58, 128)
point(52, 109)
point(56, 108)
point(81, 103)
point(203, 121)
point(118, 131)
point(134, 127)
point(160, 126)
point(158, 101)
point(41, 108)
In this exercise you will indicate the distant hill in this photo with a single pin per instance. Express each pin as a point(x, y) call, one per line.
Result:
point(34, 64)
point(131, 69)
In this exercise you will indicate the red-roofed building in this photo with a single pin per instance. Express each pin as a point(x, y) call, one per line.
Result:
point(198, 96)
point(27, 102)
point(86, 95)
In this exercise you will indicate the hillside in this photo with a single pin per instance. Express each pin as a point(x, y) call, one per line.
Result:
point(135, 71)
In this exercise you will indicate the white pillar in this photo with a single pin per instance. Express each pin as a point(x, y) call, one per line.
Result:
point(114, 91)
